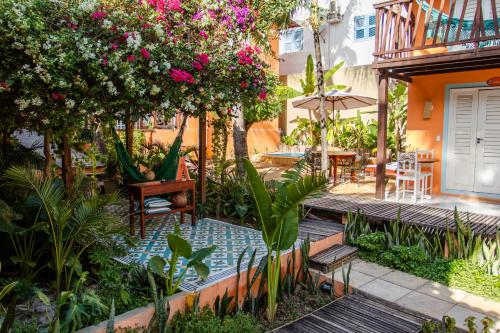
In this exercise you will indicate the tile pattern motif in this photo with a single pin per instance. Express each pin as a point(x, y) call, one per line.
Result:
point(230, 241)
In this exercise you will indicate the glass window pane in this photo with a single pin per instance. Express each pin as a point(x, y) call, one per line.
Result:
point(371, 32)
point(360, 34)
point(371, 20)
point(359, 22)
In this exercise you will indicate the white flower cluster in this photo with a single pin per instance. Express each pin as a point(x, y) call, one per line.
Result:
point(134, 40)
point(165, 104)
point(155, 90)
point(88, 6)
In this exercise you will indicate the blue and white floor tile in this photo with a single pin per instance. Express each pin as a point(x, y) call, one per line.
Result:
point(230, 240)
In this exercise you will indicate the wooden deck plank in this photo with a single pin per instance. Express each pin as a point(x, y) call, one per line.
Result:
point(428, 217)
point(356, 314)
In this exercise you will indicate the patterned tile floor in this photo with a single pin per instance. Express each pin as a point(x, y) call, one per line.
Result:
point(230, 240)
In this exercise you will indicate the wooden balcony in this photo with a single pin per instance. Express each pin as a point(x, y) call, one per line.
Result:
point(417, 37)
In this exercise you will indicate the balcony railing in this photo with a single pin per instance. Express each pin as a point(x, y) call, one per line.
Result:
point(417, 28)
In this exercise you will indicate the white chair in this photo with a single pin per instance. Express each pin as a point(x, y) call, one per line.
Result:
point(408, 173)
point(428, 173)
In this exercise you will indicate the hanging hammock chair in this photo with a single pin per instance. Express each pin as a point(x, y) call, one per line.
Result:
point(167, 170)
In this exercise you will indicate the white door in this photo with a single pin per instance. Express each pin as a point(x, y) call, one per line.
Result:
point(487, 173)
point(462, 122)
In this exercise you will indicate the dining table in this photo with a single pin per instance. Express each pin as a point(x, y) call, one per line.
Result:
point(335, 157)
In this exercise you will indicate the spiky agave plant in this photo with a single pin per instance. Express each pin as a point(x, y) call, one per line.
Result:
point(279, 219)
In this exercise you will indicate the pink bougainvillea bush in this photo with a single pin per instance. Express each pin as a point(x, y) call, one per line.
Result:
point(71, 64)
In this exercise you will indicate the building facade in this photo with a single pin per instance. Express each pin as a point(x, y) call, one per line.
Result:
point(348, 35)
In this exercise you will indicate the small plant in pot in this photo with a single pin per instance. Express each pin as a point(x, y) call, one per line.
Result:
point(84, 141)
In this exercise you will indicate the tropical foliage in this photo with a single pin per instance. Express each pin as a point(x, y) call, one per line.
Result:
point(471, 263)
point(280, 220)
point(180, 248)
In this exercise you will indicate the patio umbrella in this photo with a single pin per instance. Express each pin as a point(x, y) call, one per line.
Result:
point(335, 100)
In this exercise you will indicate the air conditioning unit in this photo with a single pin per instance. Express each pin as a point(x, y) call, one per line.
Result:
point(334, 16)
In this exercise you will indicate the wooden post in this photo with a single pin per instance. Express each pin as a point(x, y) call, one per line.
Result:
point(67, 171)
point(383, 82)
point(202, 159)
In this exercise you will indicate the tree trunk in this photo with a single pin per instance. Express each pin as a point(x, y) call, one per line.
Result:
point(129, 134)
point(315, 24)
point(49, 160)
point(67, 170)
point(239, 139)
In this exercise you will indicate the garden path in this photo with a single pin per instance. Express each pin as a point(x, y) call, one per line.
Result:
point(417, 294)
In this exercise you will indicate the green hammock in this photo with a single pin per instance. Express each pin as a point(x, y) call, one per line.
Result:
point(166, 171)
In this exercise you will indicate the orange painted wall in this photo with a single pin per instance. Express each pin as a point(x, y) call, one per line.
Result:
point(421, 133)
point(262, 137)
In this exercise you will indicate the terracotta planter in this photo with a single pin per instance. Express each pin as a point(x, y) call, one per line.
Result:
point(150, 175)
point(179, 199)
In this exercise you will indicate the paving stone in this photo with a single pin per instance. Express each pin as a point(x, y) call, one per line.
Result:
point(460, 313)
point(425, 304)
point(404, 279)
point(481, 304)
point(356, 279)
point(371, 268)
point(385, 290)
point(443, 292)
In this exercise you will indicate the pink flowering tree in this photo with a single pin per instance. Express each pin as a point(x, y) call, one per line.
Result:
point(69, 66)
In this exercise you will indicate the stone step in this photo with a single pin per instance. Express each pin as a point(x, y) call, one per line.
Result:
point(333, 257)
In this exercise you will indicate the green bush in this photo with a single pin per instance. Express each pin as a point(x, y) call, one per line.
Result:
point(404, 257)
point(374, 241)
point(207, 322)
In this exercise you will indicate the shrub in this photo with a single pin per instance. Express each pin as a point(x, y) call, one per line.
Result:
point(405, 257)
point(207, 322)
point(374, 241)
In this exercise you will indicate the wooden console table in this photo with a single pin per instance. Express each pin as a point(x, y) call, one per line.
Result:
point(149, 189)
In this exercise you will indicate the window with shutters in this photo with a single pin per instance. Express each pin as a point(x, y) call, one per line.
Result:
point(291, 40)
point(364, 27)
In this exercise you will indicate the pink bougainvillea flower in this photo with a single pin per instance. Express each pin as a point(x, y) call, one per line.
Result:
point(203, 34)
point(145, 53)
point(131, 57)
point(179, 75)
point(263, 95)
point(4, 86)
point(174, 5)
point(98, 15)
point(244, 85)
point(57, 96)
point(114, 46)
point(198, 16)
point(196, 65)
point(105, 61)
point(203, 58)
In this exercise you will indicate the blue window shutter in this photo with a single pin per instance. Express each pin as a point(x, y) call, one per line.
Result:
point(371, 26)
point(360, 27)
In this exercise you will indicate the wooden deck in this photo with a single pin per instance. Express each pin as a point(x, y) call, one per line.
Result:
point(432, 219)
point(356, 314)
point(318, 229)
point(333, 258)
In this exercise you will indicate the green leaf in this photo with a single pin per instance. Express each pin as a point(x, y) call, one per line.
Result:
point(5, 290)
point(199, 255)
point(179, 245)
point(202, 270)
point(157, 265)
point(42, 296)
point(290, 229)
point(285, 92)
point(331, 72)
point(263, 202)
